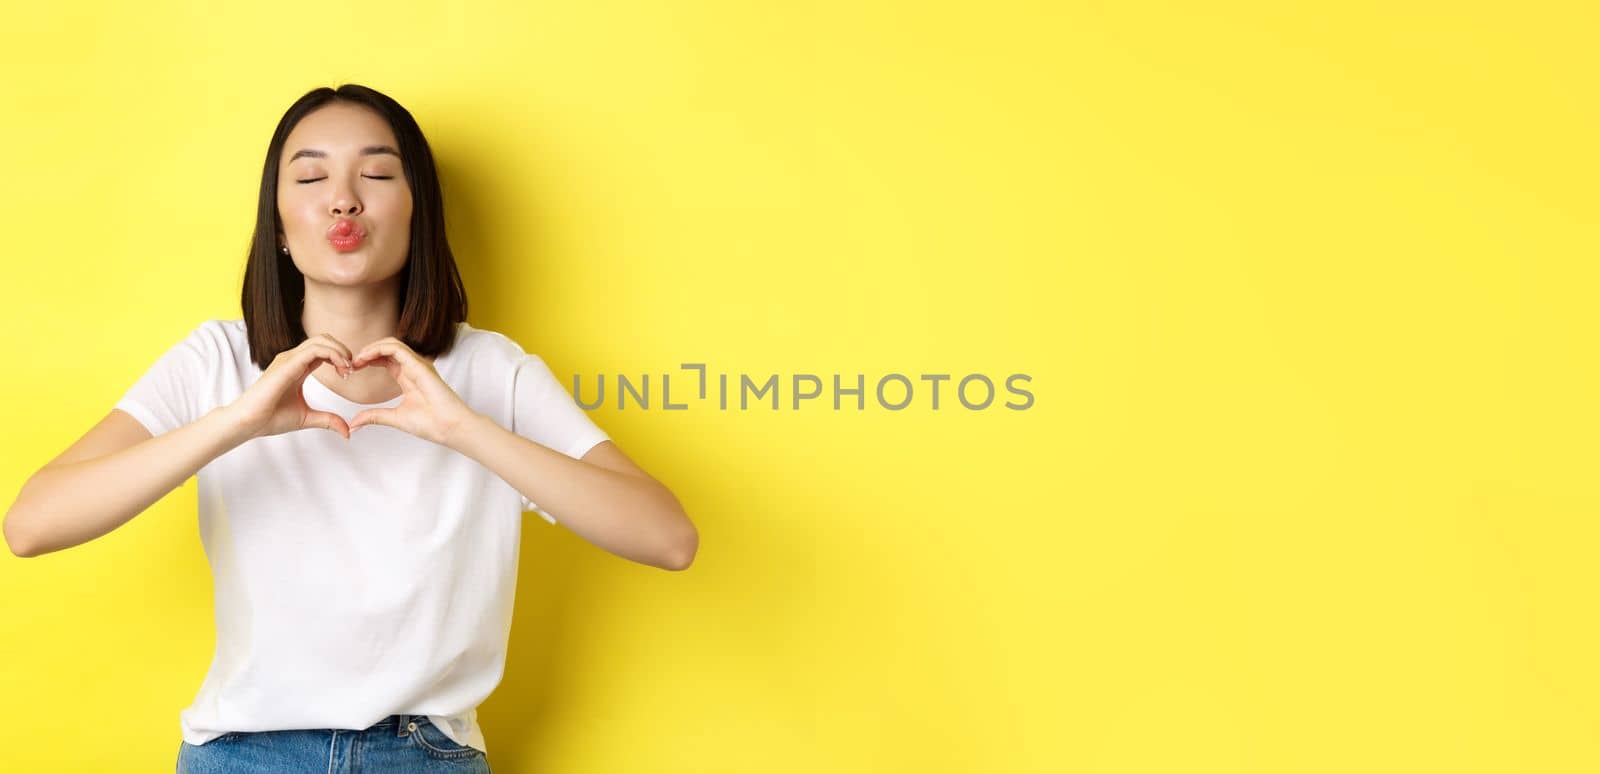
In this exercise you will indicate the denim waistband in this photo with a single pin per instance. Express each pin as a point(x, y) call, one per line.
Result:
point(400, 723)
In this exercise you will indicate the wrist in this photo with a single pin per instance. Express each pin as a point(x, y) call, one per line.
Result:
point(459, 436)
point(229, 424)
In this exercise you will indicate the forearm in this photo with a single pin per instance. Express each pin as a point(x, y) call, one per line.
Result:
point(632, 516)
point(70, 503)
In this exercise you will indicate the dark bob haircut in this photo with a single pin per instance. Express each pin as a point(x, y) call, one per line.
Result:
point(432, 297)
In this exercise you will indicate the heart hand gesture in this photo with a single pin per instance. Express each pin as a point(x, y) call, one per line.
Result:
point(273, 404)
point(429, 409)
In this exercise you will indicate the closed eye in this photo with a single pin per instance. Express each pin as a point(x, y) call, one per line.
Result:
point(370, 177)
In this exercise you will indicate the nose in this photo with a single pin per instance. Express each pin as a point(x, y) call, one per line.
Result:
point(344, 202)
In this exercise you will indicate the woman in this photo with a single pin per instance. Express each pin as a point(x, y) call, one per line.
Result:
point(364, 572)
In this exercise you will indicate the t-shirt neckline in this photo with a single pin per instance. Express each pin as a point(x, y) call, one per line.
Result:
point(329, 393)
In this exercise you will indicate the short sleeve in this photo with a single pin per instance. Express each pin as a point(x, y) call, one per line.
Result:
point(167, 396)
point(545, 413)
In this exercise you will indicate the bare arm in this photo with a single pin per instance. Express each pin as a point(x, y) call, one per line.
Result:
point(112, 474)
point(117, 469)
point(604, 497)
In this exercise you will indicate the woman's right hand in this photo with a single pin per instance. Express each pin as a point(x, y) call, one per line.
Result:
point(274, 405)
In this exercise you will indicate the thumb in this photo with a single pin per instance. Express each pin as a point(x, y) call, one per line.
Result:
point(372, 417)
point(329, 421)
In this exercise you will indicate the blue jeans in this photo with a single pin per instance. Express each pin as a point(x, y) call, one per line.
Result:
point(401, 744)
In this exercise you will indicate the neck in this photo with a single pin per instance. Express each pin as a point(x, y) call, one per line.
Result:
point(356, 316)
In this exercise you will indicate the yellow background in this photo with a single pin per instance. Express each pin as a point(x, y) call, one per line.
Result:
point(1306, 293)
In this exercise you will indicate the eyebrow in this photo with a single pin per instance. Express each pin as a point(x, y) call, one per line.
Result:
point(370, 150)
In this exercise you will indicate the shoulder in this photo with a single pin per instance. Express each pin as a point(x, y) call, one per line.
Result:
point(223, 328)
point(483, 344)
point(225, 339)
point(213, 340)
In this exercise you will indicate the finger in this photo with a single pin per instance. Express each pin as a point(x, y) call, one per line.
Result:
point(388, 364)
point(396, 363)
point(373, 417)
point(391, 346)
point(327, 420)
point(292, 366)
point(348, 355)
point(315, 350)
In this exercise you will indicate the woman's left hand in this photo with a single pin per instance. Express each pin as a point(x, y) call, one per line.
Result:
point(429, 410)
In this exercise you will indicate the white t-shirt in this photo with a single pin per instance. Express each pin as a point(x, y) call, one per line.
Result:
point(364, 578)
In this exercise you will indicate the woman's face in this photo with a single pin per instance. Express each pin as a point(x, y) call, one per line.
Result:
point(342, 163)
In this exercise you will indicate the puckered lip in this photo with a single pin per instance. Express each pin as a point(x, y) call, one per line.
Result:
point(336, 230)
